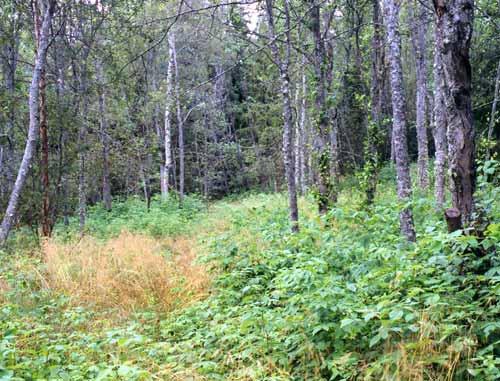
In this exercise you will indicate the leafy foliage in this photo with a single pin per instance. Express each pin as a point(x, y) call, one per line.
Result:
point(342, 300)
point(164, 218)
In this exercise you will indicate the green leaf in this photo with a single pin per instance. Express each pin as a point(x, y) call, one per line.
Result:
point(374, 341)
point(396, 314)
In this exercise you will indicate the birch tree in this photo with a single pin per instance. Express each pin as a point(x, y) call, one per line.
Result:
point(327, 192)
point(33, 129)
point(439, 131)
point(44, 137)
point(167, 134)
point(300, 134)
point(399, 122)
point(418, 17)
point(454, 22)
point(283, 64)
point(377, 98)
point(180, 124)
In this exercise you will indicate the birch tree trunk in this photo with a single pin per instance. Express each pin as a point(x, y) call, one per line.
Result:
point(392, 8)
point(103, 123)
point(33, 103)
point(180, 126)
point(167, 118)
point(491, 125)
point(82, 141)
point(303, 131)
point(62, 183)
point(297, 142)
point(418, 29)
point(157, 125)
point(377, 95)
point(44, 137)
point(439, 131)
point(326, 188)
point(300, 138)
point(454, 22)
point(283, 67)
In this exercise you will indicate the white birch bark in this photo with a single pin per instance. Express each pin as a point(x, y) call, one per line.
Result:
point(283, 64)
point(455, 22)
point(439, 131)
point(180, 124)
point(33, 103)
point(403, 180)
point(418, 28)
point(167, 117)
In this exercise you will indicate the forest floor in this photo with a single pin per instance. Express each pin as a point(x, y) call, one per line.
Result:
point(226, 292)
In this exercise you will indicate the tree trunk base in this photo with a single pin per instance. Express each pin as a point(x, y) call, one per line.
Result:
point(453, 219)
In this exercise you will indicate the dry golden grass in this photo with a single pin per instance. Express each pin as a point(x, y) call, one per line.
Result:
point(126, 272)
point(418, 359)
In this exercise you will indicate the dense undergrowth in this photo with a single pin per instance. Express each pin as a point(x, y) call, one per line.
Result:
point(344, 299)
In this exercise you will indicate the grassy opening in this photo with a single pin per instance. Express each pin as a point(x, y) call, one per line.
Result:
point(127, 272)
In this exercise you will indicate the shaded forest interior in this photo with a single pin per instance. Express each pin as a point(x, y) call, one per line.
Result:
point(338, 159)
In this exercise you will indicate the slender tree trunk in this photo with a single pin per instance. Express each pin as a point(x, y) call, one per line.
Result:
point(440, 142)
point(298, 143)
point(377, 95)
point(454, 22)
point(62, 184)
point(168, 122)
point(404, 191)
point(327, 193)
point(302, 129)
point(180, 126)
point(159, 134)
point(418, 29)
point(33, 102)
point(106, 185)
point(82, 141)
point(491, 125)
point(283, 66)
point(44, 137)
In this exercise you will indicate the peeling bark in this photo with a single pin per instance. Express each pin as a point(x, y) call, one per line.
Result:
point(454, 22)
point(392, 8)
point(439, 131)
point(418, 29)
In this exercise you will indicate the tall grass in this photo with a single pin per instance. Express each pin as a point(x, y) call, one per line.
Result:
point(127, 272)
